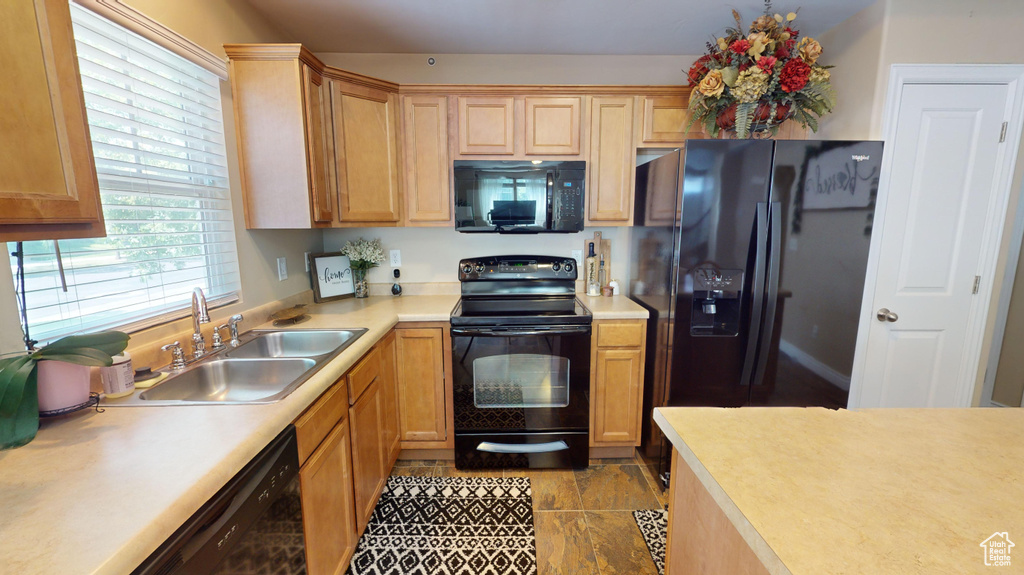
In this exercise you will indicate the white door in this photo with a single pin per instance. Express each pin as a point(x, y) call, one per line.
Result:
point(942, 224)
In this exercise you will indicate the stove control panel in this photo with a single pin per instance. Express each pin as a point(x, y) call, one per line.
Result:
point(517, 268)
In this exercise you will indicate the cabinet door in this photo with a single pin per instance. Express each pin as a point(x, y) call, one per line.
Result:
point(612, 161)
point(366, 153)
point(367, 452)
point(48, 185)
point(328, 512)
point(421, 401)
point(486, 125)
point(616, 401)
point(552, 126)
point(665, 120)
point(425, 139)
point(320, 181)
point(389, 399)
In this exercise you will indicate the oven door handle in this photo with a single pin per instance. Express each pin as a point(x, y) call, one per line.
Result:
point(516, 332)
point(490, 447)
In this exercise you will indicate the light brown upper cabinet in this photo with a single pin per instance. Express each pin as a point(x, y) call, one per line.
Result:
point(48, 187)
point(518, 127)
point(282, 129)
point(428, 199)
point(486, 125)
point(365, 126)
point(665, 120)
point(552, 126)
point(612, 165)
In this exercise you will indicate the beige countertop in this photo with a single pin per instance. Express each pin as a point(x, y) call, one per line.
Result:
point(616, 307)
point(815, 491)
point(98, 492)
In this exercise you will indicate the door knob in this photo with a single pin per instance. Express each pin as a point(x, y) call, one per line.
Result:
point(885, 315)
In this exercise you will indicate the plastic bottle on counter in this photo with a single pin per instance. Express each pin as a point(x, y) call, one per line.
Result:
point(118, 379)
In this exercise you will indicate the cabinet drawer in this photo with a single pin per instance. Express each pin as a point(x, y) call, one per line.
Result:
point(620, 334)
point(363, 374)
point(313, 426)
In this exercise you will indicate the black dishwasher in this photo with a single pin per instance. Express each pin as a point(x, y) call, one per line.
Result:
point(252, 525)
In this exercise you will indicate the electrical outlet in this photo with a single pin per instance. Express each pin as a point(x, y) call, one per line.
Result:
point(305, 257)
point(578, 256)
point(282, 269)
point(814, 331)
point(396, 258)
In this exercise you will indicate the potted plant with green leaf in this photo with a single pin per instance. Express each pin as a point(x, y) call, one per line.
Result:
point(19, 399)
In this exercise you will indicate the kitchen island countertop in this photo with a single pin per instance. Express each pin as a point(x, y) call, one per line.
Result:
point(817, 491)
point(98, 492)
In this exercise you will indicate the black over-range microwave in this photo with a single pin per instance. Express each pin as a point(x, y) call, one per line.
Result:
point(519, 196)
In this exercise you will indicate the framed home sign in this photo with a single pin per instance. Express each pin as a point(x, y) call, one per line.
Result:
point(331, 277)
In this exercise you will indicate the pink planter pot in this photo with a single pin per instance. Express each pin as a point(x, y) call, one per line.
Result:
point(61, 385)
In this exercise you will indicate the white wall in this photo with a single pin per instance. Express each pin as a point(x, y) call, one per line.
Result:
point(431, 255)
point(515, 68)
point(928, 31)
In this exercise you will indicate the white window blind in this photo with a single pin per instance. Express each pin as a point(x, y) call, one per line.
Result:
point(158, 138)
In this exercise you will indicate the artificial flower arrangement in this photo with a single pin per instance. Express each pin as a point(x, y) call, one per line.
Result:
point(363, 255)
point(760, 79)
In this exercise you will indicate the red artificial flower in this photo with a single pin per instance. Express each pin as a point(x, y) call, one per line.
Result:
point(793, 76)
point(744, 66)
point(781, 52)
point(790, 43)
point(766, 62)
point(740, 46)
point(698, 70)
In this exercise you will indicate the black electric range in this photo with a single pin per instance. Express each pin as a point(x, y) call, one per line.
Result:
point(521, 364)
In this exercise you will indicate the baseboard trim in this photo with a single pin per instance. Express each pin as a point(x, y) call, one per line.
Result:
point(818, 368)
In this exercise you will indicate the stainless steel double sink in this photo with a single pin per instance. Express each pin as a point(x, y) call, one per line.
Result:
point(265, 367)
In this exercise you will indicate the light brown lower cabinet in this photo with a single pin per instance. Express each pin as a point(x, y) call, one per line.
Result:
point(368, 465)
point(389, 397)
point(701, 539)
point(421, 387)
point(328, 507)
point(617, 376)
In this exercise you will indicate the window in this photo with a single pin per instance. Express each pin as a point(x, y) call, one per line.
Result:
point(158, 138)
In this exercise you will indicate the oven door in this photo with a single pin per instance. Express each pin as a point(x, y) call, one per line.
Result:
point(518, 381)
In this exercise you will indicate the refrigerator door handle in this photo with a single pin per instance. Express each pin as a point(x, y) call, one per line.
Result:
point(761, 235)
point(773, 292)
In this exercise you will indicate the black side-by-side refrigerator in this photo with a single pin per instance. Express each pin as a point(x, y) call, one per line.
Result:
point(750, 256)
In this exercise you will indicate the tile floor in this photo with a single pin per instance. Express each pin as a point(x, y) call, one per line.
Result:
point(583, 518)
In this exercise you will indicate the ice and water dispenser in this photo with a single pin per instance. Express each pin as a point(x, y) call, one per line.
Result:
point(716, 302)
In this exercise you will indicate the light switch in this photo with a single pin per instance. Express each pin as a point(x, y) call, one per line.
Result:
point(305, 257)
point(282, 269)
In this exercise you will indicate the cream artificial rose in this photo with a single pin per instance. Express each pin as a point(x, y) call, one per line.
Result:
point(809, 49)
point(759, 41)
point(712, 84)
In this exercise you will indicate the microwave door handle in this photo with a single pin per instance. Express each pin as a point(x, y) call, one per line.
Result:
point(551, 199)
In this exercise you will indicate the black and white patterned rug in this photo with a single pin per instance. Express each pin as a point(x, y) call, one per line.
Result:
point(450, 526)
point(653, 524)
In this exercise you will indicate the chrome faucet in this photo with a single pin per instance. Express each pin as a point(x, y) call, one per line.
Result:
point(200, 315)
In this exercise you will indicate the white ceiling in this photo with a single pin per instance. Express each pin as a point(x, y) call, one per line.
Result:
point(634, 27)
